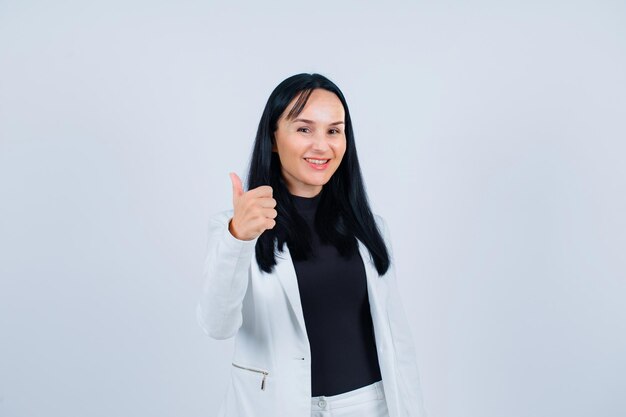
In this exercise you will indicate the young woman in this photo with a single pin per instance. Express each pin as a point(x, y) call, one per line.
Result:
point(301, 273)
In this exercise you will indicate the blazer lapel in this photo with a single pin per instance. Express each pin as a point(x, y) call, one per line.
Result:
point(377, 296)
point(378, 290)
point(287, 276)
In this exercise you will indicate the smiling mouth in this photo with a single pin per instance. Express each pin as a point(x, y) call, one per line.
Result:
point(319, 162)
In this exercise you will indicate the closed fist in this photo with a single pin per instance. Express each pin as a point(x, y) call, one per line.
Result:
point(254, 210)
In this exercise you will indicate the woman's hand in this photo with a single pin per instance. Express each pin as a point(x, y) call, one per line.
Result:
point(254, 210)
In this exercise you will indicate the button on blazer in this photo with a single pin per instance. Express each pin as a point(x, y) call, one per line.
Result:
point(271, 363)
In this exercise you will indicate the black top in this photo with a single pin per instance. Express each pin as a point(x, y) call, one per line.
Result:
point(333, 291)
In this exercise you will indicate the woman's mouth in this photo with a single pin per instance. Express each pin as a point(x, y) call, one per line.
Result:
point(318, 164)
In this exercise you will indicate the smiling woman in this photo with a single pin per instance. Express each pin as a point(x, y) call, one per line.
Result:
point(301, 272)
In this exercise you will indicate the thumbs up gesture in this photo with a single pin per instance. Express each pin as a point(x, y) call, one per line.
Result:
point(254, 210)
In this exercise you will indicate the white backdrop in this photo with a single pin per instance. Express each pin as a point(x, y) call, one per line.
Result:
point(491, 137)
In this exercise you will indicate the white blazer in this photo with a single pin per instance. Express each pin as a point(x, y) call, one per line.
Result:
point(271, 372)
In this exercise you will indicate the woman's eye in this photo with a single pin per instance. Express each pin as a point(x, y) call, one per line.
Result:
point(303, 129)
point(335, 131)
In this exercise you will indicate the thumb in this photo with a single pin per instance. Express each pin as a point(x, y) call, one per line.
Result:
point(237, 187)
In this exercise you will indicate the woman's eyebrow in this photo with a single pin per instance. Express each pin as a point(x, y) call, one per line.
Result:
point(312, 122)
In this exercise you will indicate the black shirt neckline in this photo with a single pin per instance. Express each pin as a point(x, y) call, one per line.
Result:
point(307, 204)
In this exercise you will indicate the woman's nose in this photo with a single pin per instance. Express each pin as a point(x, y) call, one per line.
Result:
point(320, 142)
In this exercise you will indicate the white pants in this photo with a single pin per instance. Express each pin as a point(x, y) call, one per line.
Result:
point(367, 401)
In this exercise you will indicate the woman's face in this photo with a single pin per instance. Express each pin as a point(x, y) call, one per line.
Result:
point(317, 133)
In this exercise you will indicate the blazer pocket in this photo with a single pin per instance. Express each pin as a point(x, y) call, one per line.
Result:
point(260, 373)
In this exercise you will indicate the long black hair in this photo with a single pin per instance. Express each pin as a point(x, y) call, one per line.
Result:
point(343, 212)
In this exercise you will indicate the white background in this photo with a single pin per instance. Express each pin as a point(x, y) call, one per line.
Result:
point(491, 137)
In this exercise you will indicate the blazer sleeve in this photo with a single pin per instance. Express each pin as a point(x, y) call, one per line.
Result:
point(225, 279)
point(402, 337)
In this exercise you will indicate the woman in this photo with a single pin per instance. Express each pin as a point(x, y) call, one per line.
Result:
point(301, 272)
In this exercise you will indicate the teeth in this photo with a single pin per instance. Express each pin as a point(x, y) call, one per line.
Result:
point(317, 161)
